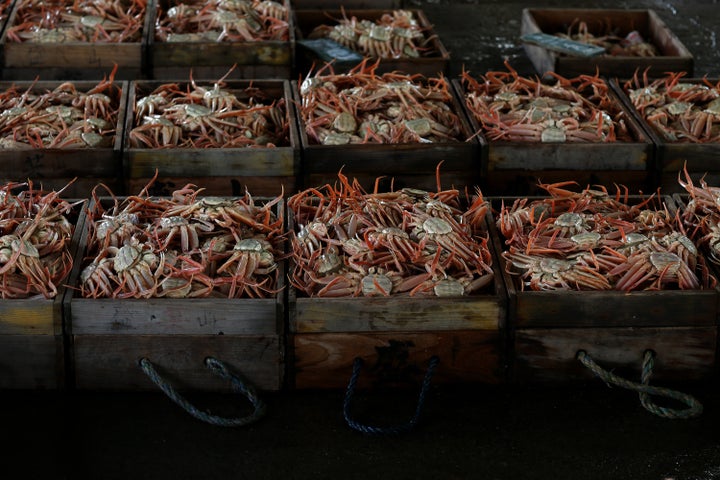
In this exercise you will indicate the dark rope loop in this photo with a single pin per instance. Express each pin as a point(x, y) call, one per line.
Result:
point(391, 430)
point(238, 384)
point(645, 390)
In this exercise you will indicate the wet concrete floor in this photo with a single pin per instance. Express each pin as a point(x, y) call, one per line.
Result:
point(586, 431)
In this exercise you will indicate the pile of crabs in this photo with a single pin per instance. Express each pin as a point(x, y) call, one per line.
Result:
point(513, 108)
point(395, 34)
point(183, 246)
point(63, 117)
point(92, 21)
point(680, 111)
point(36, 229)
point(363, 107)
point(594, 240)
point(349, 243)
point(204, 116)
point(223, 20)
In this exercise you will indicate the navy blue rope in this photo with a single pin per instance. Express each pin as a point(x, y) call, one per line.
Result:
point(391, 430)
point(238, 385)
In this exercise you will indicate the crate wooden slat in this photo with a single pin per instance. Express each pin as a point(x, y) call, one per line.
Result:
point(674, 56)
point(514, 167)
point(56, 168)
point(211, 60)
point(700, 159)
point(72, 60)
point(108, 337)
point(681, 353)
point(403, 164)
point(430, 66)
point(32, 345)
point(396, 337)
point(228, 169)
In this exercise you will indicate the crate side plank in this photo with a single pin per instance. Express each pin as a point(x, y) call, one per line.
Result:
point(111, 361)
point(325, 360)
point(27, 316)
point(31, 361)
point(682, 353)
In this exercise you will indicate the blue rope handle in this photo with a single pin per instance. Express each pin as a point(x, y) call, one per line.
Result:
point(645, 390)
point(391, 430)
point(239, 385)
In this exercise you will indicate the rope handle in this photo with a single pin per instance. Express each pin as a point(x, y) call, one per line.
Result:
point(238, 384)
point(645, 390)
point(391, 430)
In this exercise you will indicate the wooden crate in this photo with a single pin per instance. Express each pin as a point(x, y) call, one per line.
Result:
point(700, 159)
point(515, 168)
point(409, 164)
point(56, 168)
point(438, 62)
point(71, 60)
point(674, 56)
point(108, 337)
point(210, 60)
point(549, 328)
point(226, 171)
point(32, 345)
point(396, 337)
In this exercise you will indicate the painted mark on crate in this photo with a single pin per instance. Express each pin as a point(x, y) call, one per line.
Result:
point(33, 164)
point(391, 363)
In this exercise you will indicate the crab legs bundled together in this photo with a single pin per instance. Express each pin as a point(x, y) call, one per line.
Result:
point(182, 246)
point(685, 112)
point(35, 235)
point(396, 34)
point(204, 116)
point(513, 108)
point(346, 242)
point(63, 117)
point(362, 107)
point(701, 215)
point(96, 21)
point(223, 20)
point(593, 240)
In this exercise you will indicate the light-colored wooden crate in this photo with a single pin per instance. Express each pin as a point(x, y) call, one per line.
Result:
point(674, 56)
point(437, 62)
point(209, 60)
point(71, 60)
point(263, 171)
point(108, 338)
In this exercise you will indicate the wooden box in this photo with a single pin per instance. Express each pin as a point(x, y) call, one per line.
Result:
point(80, 169)
point(700, 159)
point(401, 165)
point(615, 328)
point(224, 172)
point(208, 59)
point(32, 345)
point(434, 63)
point(516, 167)
point(73, 60)
point(396, 338)
point(673, 55)
point(108, 337)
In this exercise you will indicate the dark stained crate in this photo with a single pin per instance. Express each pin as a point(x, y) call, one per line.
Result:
point(108, 337)
point(401, 164)
point(674, 56)
point(396, 336)
point(56, 168)
point(71, 60)
point(207, 59)
point(700, 159)
point(436, 62)
point(263, 171)
point(32, 346)
point(516, 167)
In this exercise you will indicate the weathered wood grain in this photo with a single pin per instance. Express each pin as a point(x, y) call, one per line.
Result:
point(549, 355)
point(324, 360)
point(31, 361)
